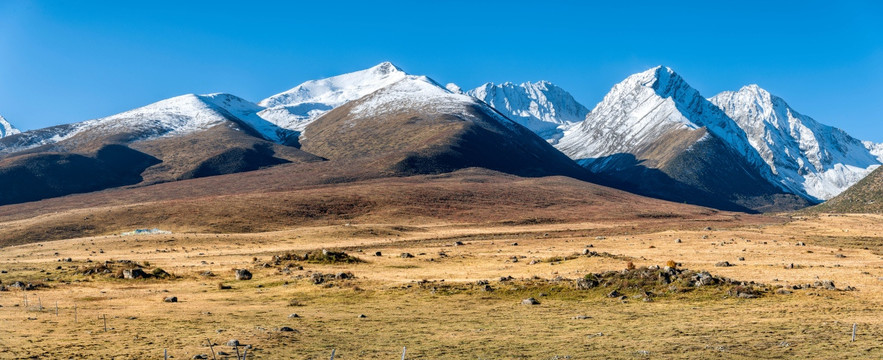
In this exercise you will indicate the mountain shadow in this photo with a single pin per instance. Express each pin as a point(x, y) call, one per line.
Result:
point(39, 176)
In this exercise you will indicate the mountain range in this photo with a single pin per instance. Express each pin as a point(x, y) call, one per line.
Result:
point(652, 134)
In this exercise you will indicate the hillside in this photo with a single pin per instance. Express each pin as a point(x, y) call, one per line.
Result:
point(866, 196)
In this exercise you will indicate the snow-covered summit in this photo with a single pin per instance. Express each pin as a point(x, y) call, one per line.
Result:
point(542, 107)
point(6, 128)
point(296, 108)
point(807, 157)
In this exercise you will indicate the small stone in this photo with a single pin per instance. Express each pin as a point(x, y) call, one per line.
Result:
point(286, 329)
point(515, 244)
point(678, 241)
point(200, 356)
point(362, 316)
point(530, 301)
point(406, 255)
point(458, 243)
point(614, 294)
point(233, 343)
point(378, 253)
point(581, 317)
point(171, 299)
point(741, 258)
point(783, 292)
point(723, 264)
point(293, 316)
point(136, 273)
point(243, 274)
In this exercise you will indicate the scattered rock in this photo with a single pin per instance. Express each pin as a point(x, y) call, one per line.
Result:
point(614, 294)
point(243, 274)
point(723, 264)
point(136, 273)
point(286, 329)
point(783, 292)
point(200, 356)
point(207, 273)
point(233, 343)
point(530, 301)
point(293, 316)
point(170, 299)
point(406, 255)
point(515, 244)
point(581, 317)
point(378, 253)
point(801, 243)
point(362, 316)
point(678, 241)
point(741, 258)
point(585, 284)
point(458, 243)
point(840, 256)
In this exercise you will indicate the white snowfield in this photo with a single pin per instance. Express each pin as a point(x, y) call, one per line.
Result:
point(542, 107)
point(6, 128)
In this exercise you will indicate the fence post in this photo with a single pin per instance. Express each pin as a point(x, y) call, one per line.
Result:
point(165, 354)
point(854, 325)
point(332, 354)
point(404, 348)
point(105, 322)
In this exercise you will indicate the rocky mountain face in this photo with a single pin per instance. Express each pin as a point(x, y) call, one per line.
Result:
point(656, 135)
point(542, 107)
point(810, 159)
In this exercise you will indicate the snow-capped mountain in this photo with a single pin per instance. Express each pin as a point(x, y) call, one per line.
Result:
point(658, 135)
point(296, 108)
point(542, 107)
point(641, 110)
point(6, 128)
point(179, 115)
point(809, 158)
point(415, 125)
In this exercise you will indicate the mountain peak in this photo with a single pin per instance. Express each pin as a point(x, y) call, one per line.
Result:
point(386, 67)
point(6, 128)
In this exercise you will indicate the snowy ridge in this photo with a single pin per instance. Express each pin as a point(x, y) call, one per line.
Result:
point(424, 94)
point(642, 109)
point(6, 128)
point(542, 107)
point(296, 108)
point(179, 115)
point(809, 158)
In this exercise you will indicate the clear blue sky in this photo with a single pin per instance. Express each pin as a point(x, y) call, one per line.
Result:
point(70, 61)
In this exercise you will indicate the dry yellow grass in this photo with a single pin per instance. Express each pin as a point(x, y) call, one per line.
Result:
point(451, 323)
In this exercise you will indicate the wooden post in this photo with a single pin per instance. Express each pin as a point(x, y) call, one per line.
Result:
point(332, 354)
point(40, 302)
point(245, 354)
point(56, 309)
point(165, 354)
point(238, 356)
point(212, 347)
point(105, 322)
point(404, 348)
point(854, 325)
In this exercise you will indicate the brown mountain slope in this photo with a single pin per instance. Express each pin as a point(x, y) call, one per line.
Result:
point(294, 195)
point(416, 127)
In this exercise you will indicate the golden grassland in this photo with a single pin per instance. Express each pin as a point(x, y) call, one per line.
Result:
point(432, 304)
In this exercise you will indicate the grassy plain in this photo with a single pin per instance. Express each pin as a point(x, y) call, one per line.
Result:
point(432, 303)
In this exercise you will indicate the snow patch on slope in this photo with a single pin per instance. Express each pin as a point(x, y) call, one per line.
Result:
point(809, 158)
point(542, 107)
point(296, 108)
